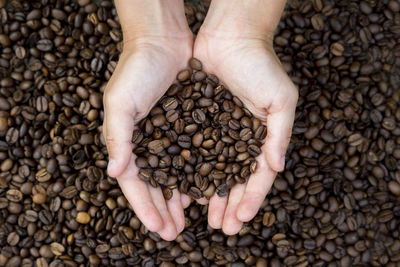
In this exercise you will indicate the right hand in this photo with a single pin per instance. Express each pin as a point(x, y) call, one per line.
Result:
point(247, 64)
point(145, 70)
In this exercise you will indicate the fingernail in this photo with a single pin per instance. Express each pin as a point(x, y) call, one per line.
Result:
point(283, 162)
point(111, 164)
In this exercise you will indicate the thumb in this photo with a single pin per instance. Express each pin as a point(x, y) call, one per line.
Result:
point(279, 125)
point(118, 128)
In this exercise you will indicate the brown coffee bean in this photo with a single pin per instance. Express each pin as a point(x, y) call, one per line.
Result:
point(198, 116)
point(158, 120)
point(172, 115)
point(160, 177)
point(205, 169)
point(145, 174)
point(155, 147)
point(254, 150)
point(170, 103)
point(195, 64)
point(199, 76)
point(222, 190)
point(268, 219)
point(167, 193)
point(261, 133)
point(197, 139)
point(39, 198)
point(246, 134)
point(394, 188)
point(184, 141)
point(183, 75)
point(3, 123)
point(83, 217)
point(195, 193)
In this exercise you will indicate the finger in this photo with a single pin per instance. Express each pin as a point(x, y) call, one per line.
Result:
point(216, 211)
point(279, 126)
point(175, 208)
point(185, 199)
point(257, 188)
point(168, 231)
point(118, 129)
point(231, 224)
point(202, 201)
point(138, 195)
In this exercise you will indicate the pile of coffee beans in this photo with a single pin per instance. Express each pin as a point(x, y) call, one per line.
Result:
point(336, 204)
point(198, 138)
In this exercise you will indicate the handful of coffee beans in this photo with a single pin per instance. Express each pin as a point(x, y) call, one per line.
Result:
point(198, 138)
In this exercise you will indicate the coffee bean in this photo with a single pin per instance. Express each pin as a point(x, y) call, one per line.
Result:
point(155, 147)
point(195, 64)
point(198, 116)
point(57, 248)
point(268, 219)
point(394, 187)
point(13, 239)
point(158, 120)
point(246, 134)
point(205, 169)
point(44, 45)
point(184, 141)
point(170, 104)
point(167, 193)
point(39, 198)
point(183, 75)
point(172, 115)
point(222, 190)
point(261, 133)
point(254, 150)
point(199, 76)
point(204, 102)
point(195, 193)
point(4, 40)
point(83, 217)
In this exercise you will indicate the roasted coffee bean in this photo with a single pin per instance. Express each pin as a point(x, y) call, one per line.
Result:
point(155, 147)
point(195, 64)
point(254, 150)
point(195, 192)
point(197, 139)
point(172, 115)
point(198, 116)
point(158, 120)
point(170, 104)
point(222, 190)
point(261, 133)
point(183, 75)
point(246, 134)
point(145, 174)
point(160, 177)
point(184, 141)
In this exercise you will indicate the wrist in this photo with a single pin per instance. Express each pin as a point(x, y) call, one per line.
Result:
point(155, 19)
point(241, 19)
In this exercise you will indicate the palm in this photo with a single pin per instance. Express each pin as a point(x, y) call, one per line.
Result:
point(142, 76)
point(146, 75)
point(250, 69)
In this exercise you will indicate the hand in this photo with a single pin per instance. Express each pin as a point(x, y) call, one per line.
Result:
point(251, 70)
point(145, 70)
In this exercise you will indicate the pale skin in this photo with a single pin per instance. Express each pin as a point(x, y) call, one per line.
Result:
point(234, 43)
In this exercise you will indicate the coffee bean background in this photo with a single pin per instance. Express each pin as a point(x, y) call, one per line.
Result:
point(336, 204)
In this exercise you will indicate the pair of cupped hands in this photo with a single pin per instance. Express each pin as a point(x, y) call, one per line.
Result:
point(247, 66)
